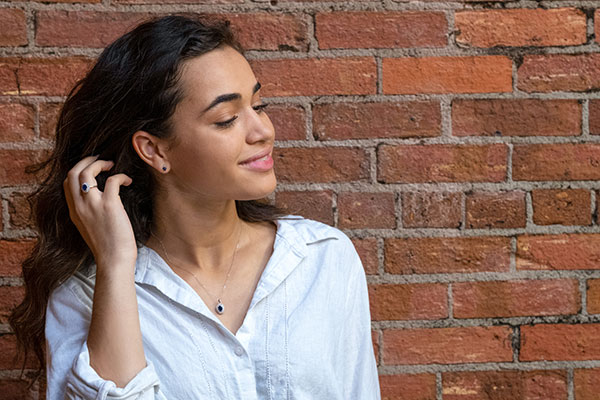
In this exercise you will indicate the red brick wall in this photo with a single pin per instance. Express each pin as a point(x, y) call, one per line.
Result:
point(454, 142)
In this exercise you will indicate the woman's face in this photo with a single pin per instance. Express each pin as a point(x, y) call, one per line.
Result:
point(218, 126)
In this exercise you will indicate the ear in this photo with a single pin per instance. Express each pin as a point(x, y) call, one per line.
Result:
point(152, 150)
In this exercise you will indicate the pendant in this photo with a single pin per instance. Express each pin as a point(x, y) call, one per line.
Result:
point(220, 307)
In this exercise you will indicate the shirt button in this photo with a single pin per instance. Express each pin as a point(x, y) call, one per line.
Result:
point(239, 351)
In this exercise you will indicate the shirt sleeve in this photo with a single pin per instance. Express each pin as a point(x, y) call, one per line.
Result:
point(361, 380)
point(69, 374)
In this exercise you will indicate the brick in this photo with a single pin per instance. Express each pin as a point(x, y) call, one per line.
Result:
point(503, 385)
point(594, 117)
point(270, 31)
point(342, 121)
point(561, 206)
point(321, 164)
point(521, 27)
point(375, 341)
point(559, 72)
point(13, 31)
point(317, 205)
point(176, 1)
point(431, 210)
point(515, 298)
point(289, 121)
point(477, 74)
point(560, 342)
point(8, 76)
point(51, 76)
point(447, 255)
point(367, 250)
point(12, 254)
point(558, 252)
point(49, 113)
point(516, 117)
point(556, 162)
point(10, 297)
point(83, 28)
point(447, 345)
point(366, 210)
point(312, 77)
point(408, 387)
point(14, 163)
point(420, 301)
point(381, 29)
point(63, 1)
point(593, 296)
point(442, 163)
point(17, 389)
point(486, 210)
point(8, 353)
point(597, 25)
point(16, 122)
point(586, 383)
point(19, 211)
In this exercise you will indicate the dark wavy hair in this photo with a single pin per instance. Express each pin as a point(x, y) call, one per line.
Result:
point(133, 86)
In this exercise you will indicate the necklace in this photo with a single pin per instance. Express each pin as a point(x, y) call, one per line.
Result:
point(219, 308)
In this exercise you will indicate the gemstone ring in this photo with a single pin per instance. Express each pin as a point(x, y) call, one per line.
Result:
point(85, 187)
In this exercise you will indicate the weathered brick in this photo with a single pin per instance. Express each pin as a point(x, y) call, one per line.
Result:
point(521, 27)
point(496, 210)
point(408, 387)
point(177, 1)
point(556, 162)
point(597, 25)
point(48, 118)
point(593, 296)
point(447, 255)
point(559, 72)
point(562, 206)
point(8, 76)
point(431, 210)
point(83, 28)
point(408, 301)
point(311, 77)
point(558, 252)
point(366, 210)
point(560, 342)
point(442, 163)
point(381, 29)
point(516, 117)
point(504, 385)
point(16, 122)
point(478, 74)
point(321, 164)
point(12, 254)
point(515, 298)
point(317, 205)
point(51, 76)
point(289, 121)
point(270, 31)
point(375, 341)
point(586, 383)
point(367, 250)
point(10, 297)
point(594, 117)
point(447, 345)
point(19, 211)
point(13, 30)
point(340, 121)
point(14, 163)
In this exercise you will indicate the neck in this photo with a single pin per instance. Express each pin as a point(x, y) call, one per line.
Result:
point(196, 235)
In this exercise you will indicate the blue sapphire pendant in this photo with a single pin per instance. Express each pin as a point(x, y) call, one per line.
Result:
point(220, 308)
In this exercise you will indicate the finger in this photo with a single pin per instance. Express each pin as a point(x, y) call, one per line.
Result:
point(114, 182)
point(72, 180)
point(89, 173)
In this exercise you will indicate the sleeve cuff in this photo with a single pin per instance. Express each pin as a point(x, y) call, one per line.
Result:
point(85, 383)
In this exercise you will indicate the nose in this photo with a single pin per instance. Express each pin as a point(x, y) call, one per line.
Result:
point(260, 128)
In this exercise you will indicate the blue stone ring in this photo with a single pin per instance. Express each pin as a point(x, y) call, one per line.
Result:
point(85, 187)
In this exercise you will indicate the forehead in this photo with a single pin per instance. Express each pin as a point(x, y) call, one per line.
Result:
point(217, 72)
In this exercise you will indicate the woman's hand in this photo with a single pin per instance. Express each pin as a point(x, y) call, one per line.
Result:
point(100, 216)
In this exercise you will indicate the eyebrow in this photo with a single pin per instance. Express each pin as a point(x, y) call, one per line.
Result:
point(230, 97)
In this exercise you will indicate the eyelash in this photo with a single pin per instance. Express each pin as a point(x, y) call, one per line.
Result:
point(226, 124)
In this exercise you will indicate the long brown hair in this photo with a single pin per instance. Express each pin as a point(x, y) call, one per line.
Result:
point(133, 86)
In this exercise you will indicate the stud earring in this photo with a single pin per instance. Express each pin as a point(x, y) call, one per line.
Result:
point(164, 168)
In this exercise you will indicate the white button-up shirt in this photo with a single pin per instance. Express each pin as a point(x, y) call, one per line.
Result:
point(306, 335)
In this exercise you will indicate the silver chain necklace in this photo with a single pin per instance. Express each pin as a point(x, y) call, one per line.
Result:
point(219, 308)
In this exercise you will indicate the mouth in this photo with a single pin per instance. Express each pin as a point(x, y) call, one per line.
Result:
point(261, 162)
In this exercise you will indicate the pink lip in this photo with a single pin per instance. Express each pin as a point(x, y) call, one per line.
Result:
point(257, 163)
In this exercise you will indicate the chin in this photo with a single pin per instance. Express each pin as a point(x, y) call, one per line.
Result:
point(259, 192)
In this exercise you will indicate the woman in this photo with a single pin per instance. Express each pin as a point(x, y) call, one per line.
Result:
point(160, 273)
